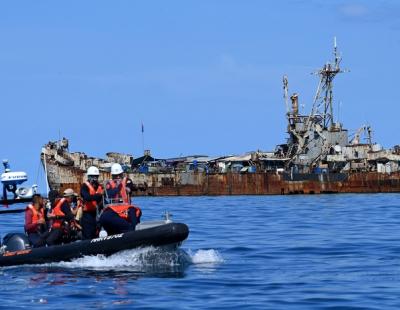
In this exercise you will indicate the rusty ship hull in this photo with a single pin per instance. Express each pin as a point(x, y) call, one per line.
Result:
point(258, 183)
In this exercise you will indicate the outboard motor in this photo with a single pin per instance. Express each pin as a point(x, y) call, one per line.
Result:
point(15, 242)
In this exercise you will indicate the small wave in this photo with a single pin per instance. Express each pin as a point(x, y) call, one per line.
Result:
point(206, 257)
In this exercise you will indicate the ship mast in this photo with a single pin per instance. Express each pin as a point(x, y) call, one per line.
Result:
point(323, 100)
point(286, 94)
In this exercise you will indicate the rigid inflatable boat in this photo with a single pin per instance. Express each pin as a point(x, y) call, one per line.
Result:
point(16, 249)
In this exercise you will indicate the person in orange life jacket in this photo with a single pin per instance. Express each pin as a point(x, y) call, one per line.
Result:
point(35, 222)
point(53, 195)
point(62, 218)
point(92, 195)
point(119, 187)
point(119, 218)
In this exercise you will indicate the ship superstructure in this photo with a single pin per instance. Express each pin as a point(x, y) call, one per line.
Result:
point(314, 136)
point(319, 156)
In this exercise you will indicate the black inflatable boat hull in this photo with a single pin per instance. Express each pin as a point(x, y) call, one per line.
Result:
point(168, 234)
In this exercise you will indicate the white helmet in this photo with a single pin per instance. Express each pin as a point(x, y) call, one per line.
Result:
point(116, 169)
point(92, 170)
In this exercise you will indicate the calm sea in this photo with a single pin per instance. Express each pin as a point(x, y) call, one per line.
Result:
point(248, 252)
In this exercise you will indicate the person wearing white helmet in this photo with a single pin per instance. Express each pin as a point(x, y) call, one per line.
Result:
point(92, 195)
point(119, 187)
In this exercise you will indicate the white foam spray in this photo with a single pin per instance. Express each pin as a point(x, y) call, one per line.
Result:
point(144, 259)
point(206, 257)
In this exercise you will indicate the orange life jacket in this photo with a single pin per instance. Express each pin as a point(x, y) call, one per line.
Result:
point(36, 215)
point(56, 212)
point(90, 206)
point(122, 193)
point(123, 209)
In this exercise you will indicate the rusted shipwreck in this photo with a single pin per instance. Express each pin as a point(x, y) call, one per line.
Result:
point(319, 156)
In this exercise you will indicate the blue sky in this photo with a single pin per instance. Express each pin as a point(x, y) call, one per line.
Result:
point(204, 77)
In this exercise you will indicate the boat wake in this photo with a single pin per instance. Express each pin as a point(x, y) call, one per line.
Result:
point(145, 260)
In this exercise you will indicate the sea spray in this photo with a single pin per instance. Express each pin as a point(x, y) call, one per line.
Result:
point(148, 259)
point(210, 256)
point(135, 259)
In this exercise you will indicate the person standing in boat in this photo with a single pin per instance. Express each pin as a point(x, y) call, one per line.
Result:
point(92, 195)
point(35, 222)
point(62, 218)
point(119, 188)
point(119, 215)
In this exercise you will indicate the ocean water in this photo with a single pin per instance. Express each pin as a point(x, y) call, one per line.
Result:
point(247, 252)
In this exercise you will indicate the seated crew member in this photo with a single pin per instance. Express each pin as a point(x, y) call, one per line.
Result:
point(62, 219)
point(119, 216)
point(53, 195)
point(92, 195)
point(35, 222)
point(77, 209)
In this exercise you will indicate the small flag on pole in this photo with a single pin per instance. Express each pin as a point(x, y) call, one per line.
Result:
point(142, 128)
